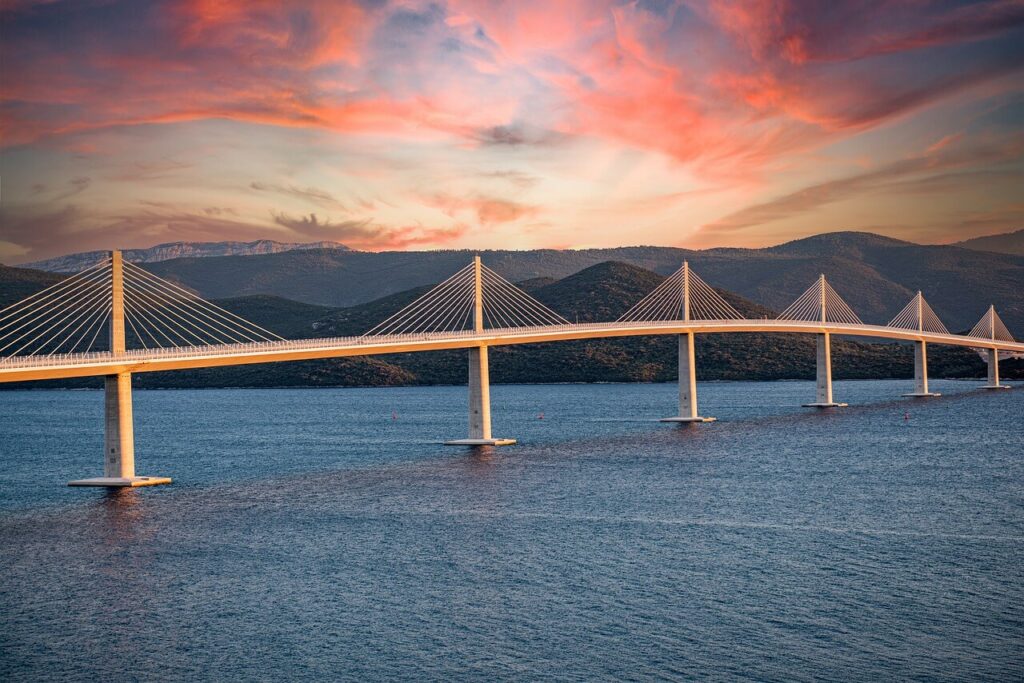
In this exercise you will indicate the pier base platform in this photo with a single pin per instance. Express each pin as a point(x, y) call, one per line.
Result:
point(480, 442)
point(688, 419)
point(121, 482)
point(921, 394)
point(825, 405)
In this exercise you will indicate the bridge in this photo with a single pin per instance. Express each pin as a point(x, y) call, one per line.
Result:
point(116, 319)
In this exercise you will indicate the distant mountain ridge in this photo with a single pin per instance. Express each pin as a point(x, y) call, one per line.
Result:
point(73, 263)
point(1006, 243)
point(600, 292)
point(875, 274)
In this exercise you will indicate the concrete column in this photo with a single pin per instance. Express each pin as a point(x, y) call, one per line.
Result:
point(117, 303)
point(118, 436)
point(993, 371)
point(921, 372)
point(479, 404)
point(687, 383)
point(824, 365)
point(479, 394)
point(824, 369)
point(478, 296)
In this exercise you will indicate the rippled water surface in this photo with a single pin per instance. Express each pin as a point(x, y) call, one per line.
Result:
point(326, 535)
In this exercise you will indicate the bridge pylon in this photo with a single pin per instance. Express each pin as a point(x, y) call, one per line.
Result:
point(684, 296)
point(991, 327)
point(118, 426)
point(822, 304)
point(919, 316)
point(472, 303)
point(479, 377)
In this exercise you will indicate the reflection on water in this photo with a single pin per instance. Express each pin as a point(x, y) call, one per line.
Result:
point(123, 514)
point(309, 535)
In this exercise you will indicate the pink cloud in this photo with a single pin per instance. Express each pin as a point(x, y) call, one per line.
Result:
point(599, 69)
point(727, 92)
point(487, 210)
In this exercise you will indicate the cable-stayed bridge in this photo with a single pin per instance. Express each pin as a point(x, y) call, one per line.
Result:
point(115, 319)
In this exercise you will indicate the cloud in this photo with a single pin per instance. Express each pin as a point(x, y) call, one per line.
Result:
point(33, 229)
point(309, 194)
point(34, 233)
point(368, 235)
point(928, 172)
point(43, 231)
point(516, 135)
point(650, 75)
point(488, 210)
point(518, 179)
point(317, 228)
point(10, 250)
point(381, 99)
point(219, 211)
point(74, 186)
point(809, 32)
point(142, 171)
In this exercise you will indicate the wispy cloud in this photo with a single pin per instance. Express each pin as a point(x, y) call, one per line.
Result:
point(924, 173)
point(365, 234)
point(487, 210)
point(312, 195)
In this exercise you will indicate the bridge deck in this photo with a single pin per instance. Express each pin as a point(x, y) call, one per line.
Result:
point(18, 369)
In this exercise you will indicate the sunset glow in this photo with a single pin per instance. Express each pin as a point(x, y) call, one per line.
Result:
point(473, 124)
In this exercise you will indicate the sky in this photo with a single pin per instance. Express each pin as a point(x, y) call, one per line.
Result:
point(520, 124)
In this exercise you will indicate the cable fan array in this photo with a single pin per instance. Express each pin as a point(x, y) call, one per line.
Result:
point(73, 315)
point(918, 315)
point(66, 317)
point(682, 296)
point(449, 307)
point(162, 314)
point(820, 303)
point(991, 327)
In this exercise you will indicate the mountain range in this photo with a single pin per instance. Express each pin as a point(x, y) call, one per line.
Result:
point(1007, 243)
point(72, 263)
point(876, 275)
point(600, 292)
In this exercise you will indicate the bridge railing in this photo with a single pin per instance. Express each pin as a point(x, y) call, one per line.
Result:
point(139, 355)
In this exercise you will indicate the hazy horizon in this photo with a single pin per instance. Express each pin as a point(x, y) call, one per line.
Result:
point(23, 261)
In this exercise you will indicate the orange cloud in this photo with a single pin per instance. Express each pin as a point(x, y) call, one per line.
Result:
point(368, 235)
point(488, 210)
point(729, 94)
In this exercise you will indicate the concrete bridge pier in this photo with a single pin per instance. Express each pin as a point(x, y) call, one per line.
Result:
point(118, 429)
point(119, 439)
point(993, 371)
point(687, 383)
point(479, 404)
point(824, 383)
point(921, 372)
